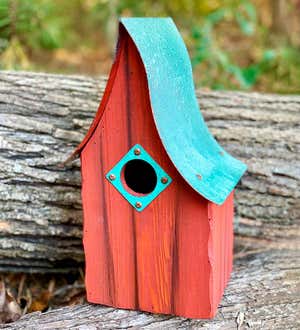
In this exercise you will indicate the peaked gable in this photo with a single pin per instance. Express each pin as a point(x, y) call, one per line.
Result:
point(197, 156)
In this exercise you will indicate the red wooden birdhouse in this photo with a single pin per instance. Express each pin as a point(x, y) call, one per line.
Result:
point(157, 189)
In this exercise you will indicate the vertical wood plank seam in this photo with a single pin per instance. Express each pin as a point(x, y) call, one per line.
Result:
point(210, 253)
point(175, 270)
point(109, 255)
point(129, 130)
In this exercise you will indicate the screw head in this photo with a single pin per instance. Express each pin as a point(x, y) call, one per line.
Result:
point(164, 180)
point(138, 205)
point(112, 177)
point(137, 151)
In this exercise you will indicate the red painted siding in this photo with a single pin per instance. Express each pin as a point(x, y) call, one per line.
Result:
point(220, 246)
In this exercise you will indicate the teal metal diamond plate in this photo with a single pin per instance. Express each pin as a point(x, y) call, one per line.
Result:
point(137, 200)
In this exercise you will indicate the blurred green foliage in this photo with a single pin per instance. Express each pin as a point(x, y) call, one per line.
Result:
point(208, 51)
point(230, 46)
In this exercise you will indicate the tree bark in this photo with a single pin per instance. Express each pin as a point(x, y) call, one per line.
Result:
point(263, 293)
point(43, 117)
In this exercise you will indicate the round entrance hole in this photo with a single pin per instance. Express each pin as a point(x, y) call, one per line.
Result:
point(140, 176)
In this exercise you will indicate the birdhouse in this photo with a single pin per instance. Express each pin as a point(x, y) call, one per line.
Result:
point(157, 188)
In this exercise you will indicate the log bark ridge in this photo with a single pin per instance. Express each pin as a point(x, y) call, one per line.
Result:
point(44, 116)
point(263, 293)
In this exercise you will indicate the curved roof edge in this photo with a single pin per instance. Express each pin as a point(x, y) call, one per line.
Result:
point(197, 156)
point(102, 105)
point(201, 161)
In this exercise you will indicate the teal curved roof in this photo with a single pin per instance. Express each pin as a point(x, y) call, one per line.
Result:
point(198, 157)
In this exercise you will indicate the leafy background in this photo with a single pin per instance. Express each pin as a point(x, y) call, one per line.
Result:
point(249, 45)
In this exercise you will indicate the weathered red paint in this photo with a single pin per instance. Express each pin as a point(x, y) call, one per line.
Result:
point(175, 256)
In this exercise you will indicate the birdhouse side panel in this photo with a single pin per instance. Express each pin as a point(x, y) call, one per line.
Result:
point(157, 259)
point(221, 246)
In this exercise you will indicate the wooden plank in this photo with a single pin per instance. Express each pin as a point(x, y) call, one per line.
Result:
point(220, 246)
point(107, 146)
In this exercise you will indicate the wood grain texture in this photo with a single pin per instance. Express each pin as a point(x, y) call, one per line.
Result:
point(161, 259)
point(42, 119)
point(220, 247)
point(263, 293)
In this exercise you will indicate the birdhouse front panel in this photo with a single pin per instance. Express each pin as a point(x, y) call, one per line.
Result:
point(157, 214)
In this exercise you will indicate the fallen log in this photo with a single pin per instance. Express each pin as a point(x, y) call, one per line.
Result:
point(263, 293)
point(43, 117)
